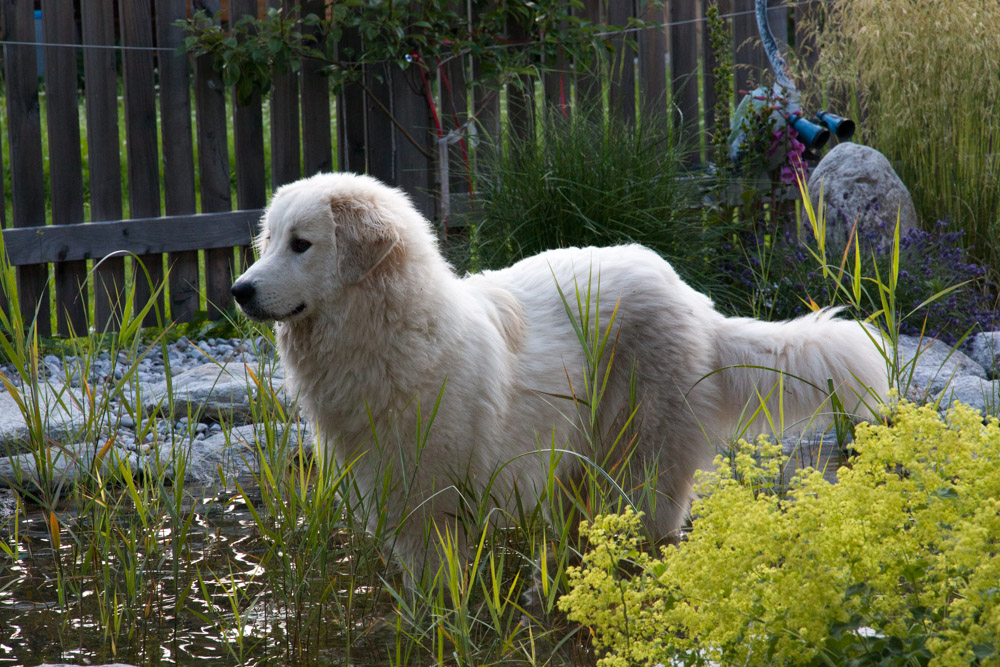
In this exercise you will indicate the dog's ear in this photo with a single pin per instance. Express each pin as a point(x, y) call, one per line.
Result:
point(364, 239)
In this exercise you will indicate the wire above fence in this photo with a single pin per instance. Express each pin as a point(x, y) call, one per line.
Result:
point(651, 26)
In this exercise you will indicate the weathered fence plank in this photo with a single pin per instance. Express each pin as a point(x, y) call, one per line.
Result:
point(589, 79)
point(453, 153)
point(248, 148)
point(684, 64)
point(104, 155)
point(213, 164)
point(485, 91)
point(557, 86)
point(144, 236)
point(378, 126)
point(351, 103)
point(248, 131)
point(24, 135)
point(520, 93)
point(65, 173)
point(413, 150)
point(286, 164)
point(178, 151)
point(142, 153)
point(621, 90)
point(652, 47)
point(317, 155)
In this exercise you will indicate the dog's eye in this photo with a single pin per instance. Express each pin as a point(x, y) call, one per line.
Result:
point(300, 245)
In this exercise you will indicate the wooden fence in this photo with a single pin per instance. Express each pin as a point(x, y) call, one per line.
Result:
point(179, 180)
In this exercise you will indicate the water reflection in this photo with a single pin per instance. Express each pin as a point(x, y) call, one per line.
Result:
point(214, 604)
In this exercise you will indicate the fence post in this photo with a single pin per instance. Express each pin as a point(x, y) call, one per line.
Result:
point(351, 115)
point(485, 92)
point(414, 154)
point(317, 154)
point(24, 135)
point(684, 64)
point(556, 86)
point(453, 95)
point(104, 154)
point(248, 142)
point(589, 84)
point(214, 178)
point(652, 49)
point(65, 172)
point(178, 152)
point(286, 164)
point(621, 91)
point(378, 126)
point(520, 93)
point(142, 152)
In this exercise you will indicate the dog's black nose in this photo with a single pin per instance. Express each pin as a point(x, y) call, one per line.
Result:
point(243, 291)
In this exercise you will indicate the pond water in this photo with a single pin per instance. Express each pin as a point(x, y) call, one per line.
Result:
point(216, 604)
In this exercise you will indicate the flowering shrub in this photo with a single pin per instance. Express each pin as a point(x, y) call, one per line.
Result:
point(895, 564)
point(782, 278)
point(762, 142)
point(786, 138)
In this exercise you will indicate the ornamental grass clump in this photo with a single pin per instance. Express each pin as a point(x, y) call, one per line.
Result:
point(923, 76)
point(895, 564)
point(594, 181)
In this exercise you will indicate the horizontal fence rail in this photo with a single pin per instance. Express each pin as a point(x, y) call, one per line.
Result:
point(149, 155)
point(141, 236)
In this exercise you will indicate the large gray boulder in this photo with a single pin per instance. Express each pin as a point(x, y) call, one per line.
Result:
point(985, 350)
point(983, 395)
point(927, 366)
point(226, 457)
point(62, 466)
point(228, 393)
point(859, 184)
point(61, 417)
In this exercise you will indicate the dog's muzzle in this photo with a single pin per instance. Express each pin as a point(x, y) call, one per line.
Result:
point(245, 293)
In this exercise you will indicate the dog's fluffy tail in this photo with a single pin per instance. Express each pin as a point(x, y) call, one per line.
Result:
point(789, 367)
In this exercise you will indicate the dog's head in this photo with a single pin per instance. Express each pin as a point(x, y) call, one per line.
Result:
point(319, 235)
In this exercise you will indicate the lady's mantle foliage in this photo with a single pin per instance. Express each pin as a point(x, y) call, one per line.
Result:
point(895, 564)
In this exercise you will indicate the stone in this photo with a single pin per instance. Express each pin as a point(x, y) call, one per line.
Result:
point(8, 505)
point(217, 392)
point(234, 454)
point(978, 393)
point(859, 184)
point(62, 420)
point(817, 450)
point(927, 366)
point(68, 464)
point(985, 350)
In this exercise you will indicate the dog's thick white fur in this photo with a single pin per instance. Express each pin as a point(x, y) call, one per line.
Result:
point(372, 321)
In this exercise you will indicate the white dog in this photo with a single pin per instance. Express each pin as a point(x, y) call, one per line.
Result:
point(373, 326)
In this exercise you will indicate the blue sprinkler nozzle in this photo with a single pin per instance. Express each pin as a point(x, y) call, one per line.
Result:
point(812, 135)
point(842, 127)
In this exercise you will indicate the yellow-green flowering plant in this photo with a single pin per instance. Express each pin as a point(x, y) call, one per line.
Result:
point(896, 564)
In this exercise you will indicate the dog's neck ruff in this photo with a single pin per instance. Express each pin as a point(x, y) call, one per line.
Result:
point(367, 334)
